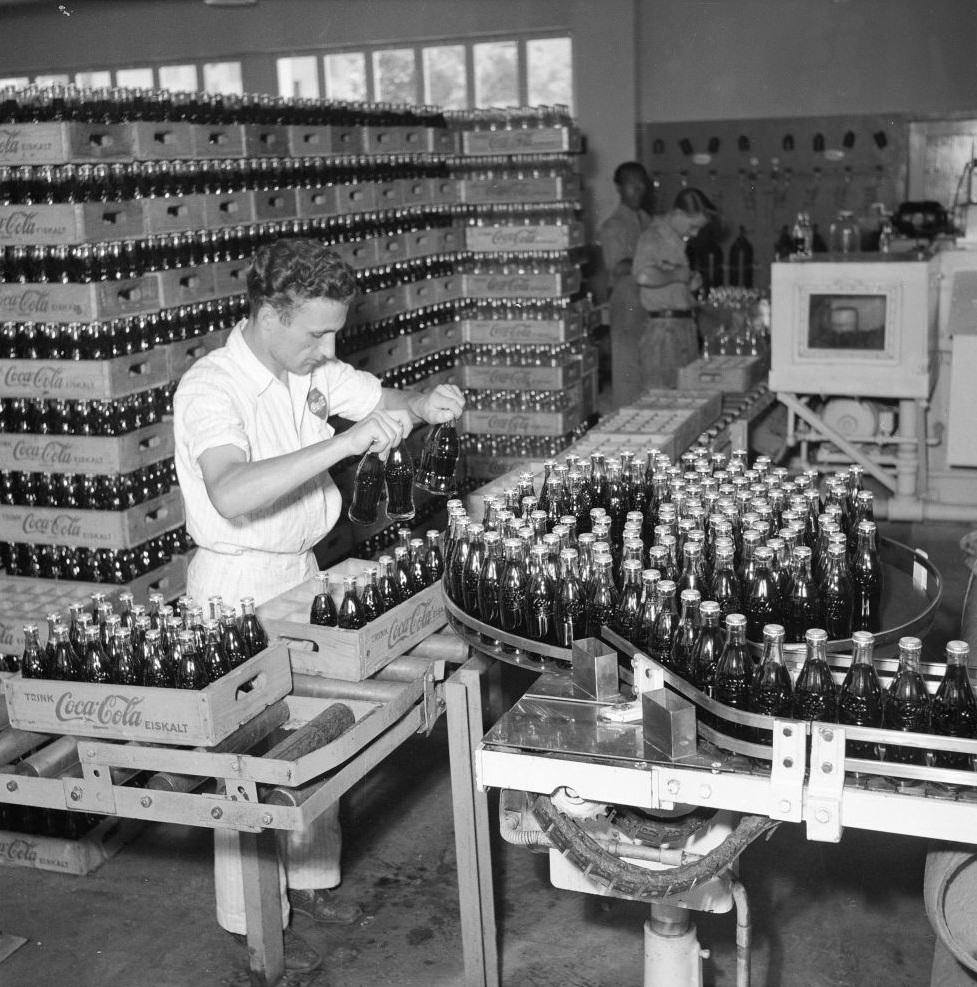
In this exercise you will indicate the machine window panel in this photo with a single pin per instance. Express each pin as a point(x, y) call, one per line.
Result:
point(56, 79)
point(96, 79)
point(846, 322)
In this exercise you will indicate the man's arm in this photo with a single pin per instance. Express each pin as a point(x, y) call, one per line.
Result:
point(652, 269)
point(444, 404)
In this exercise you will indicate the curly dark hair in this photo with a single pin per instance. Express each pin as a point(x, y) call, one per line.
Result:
point(287, 272)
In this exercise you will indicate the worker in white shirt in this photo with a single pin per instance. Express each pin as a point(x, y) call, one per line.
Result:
point(253, 451)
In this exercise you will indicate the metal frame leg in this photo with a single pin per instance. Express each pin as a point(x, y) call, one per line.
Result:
point(263, 907)
point(472, 833)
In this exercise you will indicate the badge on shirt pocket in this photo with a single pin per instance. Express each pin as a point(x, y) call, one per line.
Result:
point(318, 404)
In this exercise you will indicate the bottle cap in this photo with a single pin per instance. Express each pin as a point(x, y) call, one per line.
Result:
point(632, 565)
point(773, 632)
point(815, 635)
point(690, 596)
point(709, 608)
point(958, 648)
point(667, 586)
point(863, 638)
point(735, 620)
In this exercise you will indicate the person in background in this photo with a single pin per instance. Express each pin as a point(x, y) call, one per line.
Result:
point(253, 453)
point(667, 287)
point(619, 235)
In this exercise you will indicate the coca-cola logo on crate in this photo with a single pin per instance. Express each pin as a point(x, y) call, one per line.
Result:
point(20, 851)
point(110, 711)
point(19, 142)
point(43, 377)
point(422, 616)
point(60, 525)
point(47, 453)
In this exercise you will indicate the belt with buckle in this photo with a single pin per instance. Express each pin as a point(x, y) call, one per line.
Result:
point(671, 313)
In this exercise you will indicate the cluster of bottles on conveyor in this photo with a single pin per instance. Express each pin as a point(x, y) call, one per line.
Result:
point(749, 548)
point(143, 645)
point(416, 563)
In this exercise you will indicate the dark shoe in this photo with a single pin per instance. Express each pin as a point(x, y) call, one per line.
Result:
point(324, 908)
point(300, 957)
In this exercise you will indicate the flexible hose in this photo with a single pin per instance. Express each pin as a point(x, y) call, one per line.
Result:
point(657, 832)
point(744, 934)
point(630, 879)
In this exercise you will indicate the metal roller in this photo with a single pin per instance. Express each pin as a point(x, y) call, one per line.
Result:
point(322, 688)
point(52, 760)
point(446, 645)
point(14, 743)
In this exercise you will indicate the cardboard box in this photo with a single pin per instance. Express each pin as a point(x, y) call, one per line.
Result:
point(349, 655)
point(182, 717)
point(87, 453)
point(102, 300)
point(538, 140)
point(92, 529)
point(522, 378)
point(71, 223)
point(84, 379)
point(523, 239)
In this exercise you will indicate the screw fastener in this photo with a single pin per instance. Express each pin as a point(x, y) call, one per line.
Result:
point(217, 812)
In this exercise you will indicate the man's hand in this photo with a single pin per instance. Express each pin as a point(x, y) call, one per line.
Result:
point(695, 281)
point(444, 404)
point(379, 432)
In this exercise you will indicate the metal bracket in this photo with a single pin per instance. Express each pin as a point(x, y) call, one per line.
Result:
point(433, 702)
point(240, 790)
point(787, 771)
point(648, 676)
point(93, 792)
point(826, 783)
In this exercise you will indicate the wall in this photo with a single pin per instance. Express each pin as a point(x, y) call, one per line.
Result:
point(731, 59)
point(152, 31)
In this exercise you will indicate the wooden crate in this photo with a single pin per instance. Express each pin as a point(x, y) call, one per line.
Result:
point(182, 355)
point(267, 140)
point(382, 357)
point(349, 655)
point(346, 140)
point(522, 332)
point(55, 143)
point(228, 209)
point(87, 453)
point(681, 424)
point(544, 189)
point(320, 201)
point(41, 302)
point(186, 285)
point(182, 717)
point(441, 140)
point(735, 374)
point(218, 140)
point(92, 529)
point(536, 140)
point(428, 341)
point(520, 285)
point(309, 142)
point(84, 379)
point(522, 422)
point(523, 378)
point(275, 206)
point(174, 214)
point(25, 599)
point(523, 239)
point(614, 443)
point(442, 191)
point(356, 197)
point(71, 223)
point(64, 856)
point(705, 405)
point(231, 277)
point(161, 141)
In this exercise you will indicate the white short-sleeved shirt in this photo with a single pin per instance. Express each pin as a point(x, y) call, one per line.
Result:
point(230, 398)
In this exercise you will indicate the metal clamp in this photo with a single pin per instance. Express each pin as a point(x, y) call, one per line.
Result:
point(93, 792)
point(826, 782)
point(787, 770)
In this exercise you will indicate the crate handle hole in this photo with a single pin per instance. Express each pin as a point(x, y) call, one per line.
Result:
point(252, 685)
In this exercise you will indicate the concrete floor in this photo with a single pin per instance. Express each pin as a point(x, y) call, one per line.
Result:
point(824, 915)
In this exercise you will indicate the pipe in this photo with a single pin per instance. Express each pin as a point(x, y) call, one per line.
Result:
point(744, 934)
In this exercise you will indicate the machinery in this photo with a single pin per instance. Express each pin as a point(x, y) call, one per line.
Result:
point(639, 786)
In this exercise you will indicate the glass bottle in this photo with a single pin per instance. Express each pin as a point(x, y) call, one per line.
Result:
point(771, 692)
point(439, 460)
point(155, 672)
point(472, 570)
point(626, 620)
point(860, 697)
point(66, 665)
point(687, 632)
point(489, 579)
point(708, 648)
point(726, 589)
point(666, 623)
point(603, 600)
point(323, 612)
point(751, 540)
point(907, 703)
point(734, 673)
point(398, 472)
point(814, 690)
point(650, 605)
point(836, 594)
point(368, 484)
point(234, 646)
point(388, 584)
point(32, 660)
point(540, 597)
point(802, 607)
point(215, 663)
point(350, 616)
point(954, 707)
point(455, 561)
point(95, 667)
point(252, 633)
point(371, 602)
point(404, 576)
point(512, 589)
point(866, 581)
point(762, 596)
point(571, 603)
point(188, 669)
point(433, 559)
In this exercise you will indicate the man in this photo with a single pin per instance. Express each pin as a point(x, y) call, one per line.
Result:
point(253, 450)
point(619, 235)
point(666, 283)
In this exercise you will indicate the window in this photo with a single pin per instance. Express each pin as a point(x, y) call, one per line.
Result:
point(298, 77)
point(223, 77)
point(346, 75)
point(52, 80)
point(134, 78)
point(445, 76)
point(496, 73)
point(178, 78)
point(395, 75)
point(549, 72)
point(16, 81)
point(94, 80)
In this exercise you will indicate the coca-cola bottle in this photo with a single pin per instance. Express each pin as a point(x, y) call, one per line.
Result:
point(771, 692)
point(687, 632)
point(836, 593)
point(512, 589)
point(419, 571)
point(571, 602)
point(66, 664)
point(666, 623)
point(252, 633)
point(866, 581)
point(802, 607)
point(490, 579)
point(433, 559)
point(405, 577)
point(388, 583)
point(399, 479)
point(540, 597)
point(814, 690)
point(368, 484)
point(954, 708)
point(371, 601)
point(708, 648)
point(155, 672)
point(650, 605)
point(693, 569)
point(32, 663)
point(214, 661)
point(95, 666)
point(762, 596)
point(907, 703)
point(860, 697)
point(626, 620)
point(234, 646)
point(350, 615)
point(734, 674)
point(472, 569)
point(455, 561)
point(602, 603)
point(323, 611)
point(188, 667)
point(439, 460)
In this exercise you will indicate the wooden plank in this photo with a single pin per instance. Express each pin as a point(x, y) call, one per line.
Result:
point(262, 906)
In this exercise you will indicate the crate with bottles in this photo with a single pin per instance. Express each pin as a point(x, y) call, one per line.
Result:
point(145, 672)
point(516, 130)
